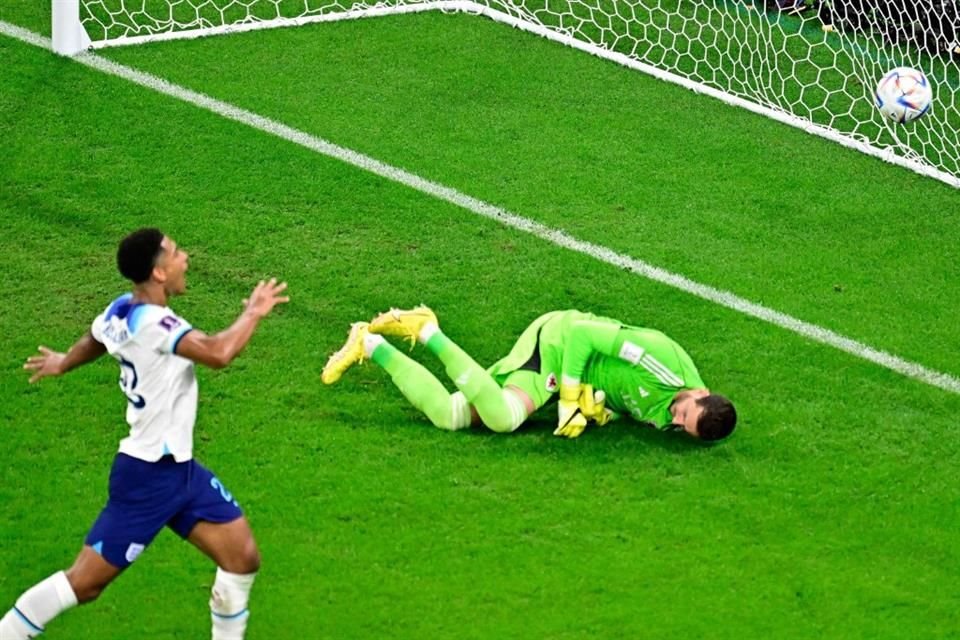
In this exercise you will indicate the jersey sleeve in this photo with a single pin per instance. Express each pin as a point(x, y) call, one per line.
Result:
point(661, 357)
point(664, 360)
point(587, 337)
point(159, 328)
point(96, 328)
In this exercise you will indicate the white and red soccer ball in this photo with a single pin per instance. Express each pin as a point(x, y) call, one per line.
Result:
point(904, 94)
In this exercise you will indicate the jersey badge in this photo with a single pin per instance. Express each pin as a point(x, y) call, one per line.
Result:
point(169, 323)
point(552, 383)
point(631, 352)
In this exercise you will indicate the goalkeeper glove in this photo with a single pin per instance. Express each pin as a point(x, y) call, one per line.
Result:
point(571, 421)
point(599, 412)
point(579, 404)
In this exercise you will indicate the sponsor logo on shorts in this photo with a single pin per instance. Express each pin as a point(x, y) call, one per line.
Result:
point(134, 551)
point(552, 383)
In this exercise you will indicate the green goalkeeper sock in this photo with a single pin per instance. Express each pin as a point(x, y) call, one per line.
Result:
point(422, 389)
point(500, 411)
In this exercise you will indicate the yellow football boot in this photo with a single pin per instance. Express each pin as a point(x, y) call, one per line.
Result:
point(403, 323)
point(350, 353)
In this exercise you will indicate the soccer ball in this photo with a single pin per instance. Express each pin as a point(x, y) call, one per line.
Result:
point(904, 94)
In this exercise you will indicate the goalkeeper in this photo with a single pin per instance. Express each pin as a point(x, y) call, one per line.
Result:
point(600, 367)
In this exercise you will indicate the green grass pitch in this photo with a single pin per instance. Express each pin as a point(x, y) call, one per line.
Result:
point(832, 513)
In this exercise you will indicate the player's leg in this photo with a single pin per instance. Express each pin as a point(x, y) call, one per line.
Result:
point(125, 527)
point(214, 523)
point(230, 544)
point(500, 410)
point(81, 583)
point(419, 386)
point(232, 547)
point(37, 606)
point(90, 575)
point(450, 411)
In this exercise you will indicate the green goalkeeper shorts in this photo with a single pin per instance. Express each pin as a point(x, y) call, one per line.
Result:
point(535, 362)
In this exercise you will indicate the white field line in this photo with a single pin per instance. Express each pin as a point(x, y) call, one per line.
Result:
point(560, 238)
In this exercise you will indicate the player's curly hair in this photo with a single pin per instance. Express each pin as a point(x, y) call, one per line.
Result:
point(137, 254)
point(718, 418)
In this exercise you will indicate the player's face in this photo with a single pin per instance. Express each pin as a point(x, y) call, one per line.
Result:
point(173, 262)
point(685, 410)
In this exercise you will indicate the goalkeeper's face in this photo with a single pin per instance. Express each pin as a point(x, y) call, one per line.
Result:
point(685, 410)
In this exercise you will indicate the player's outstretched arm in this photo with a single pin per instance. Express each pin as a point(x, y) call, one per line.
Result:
point(54, 363)
point(217, 351)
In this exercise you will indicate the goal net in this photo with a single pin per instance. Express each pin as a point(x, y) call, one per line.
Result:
point(812, 65)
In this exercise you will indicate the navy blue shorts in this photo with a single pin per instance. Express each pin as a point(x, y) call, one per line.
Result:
point(147, 496)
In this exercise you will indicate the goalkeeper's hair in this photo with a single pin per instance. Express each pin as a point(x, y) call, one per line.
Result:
point(718, 418)
point(138, 253)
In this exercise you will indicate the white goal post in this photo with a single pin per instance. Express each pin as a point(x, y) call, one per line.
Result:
point(812, 64)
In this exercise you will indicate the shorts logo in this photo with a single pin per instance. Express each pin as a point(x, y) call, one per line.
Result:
point(552, 383)
point(133, 551)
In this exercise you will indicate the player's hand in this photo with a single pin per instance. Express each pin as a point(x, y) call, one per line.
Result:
point(265, 296)
point(579, 405)
point(593, 406)
point(48, 363)
point(571, 420)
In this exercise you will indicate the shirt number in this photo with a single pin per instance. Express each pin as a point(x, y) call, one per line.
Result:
point(128, 382)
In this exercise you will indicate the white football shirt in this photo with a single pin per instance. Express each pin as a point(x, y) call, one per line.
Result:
point(160, 386)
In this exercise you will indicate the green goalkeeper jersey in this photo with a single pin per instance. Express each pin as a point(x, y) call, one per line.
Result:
point(640, 370)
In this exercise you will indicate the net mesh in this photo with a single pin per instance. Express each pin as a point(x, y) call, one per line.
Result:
point(818, 62)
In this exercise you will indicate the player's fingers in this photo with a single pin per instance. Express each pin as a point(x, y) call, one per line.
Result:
point(277, 288)
point(34, 378)
point(44, 350)
point(567, 430)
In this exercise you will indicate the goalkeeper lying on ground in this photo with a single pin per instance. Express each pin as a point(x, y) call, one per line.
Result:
point(600, 367)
